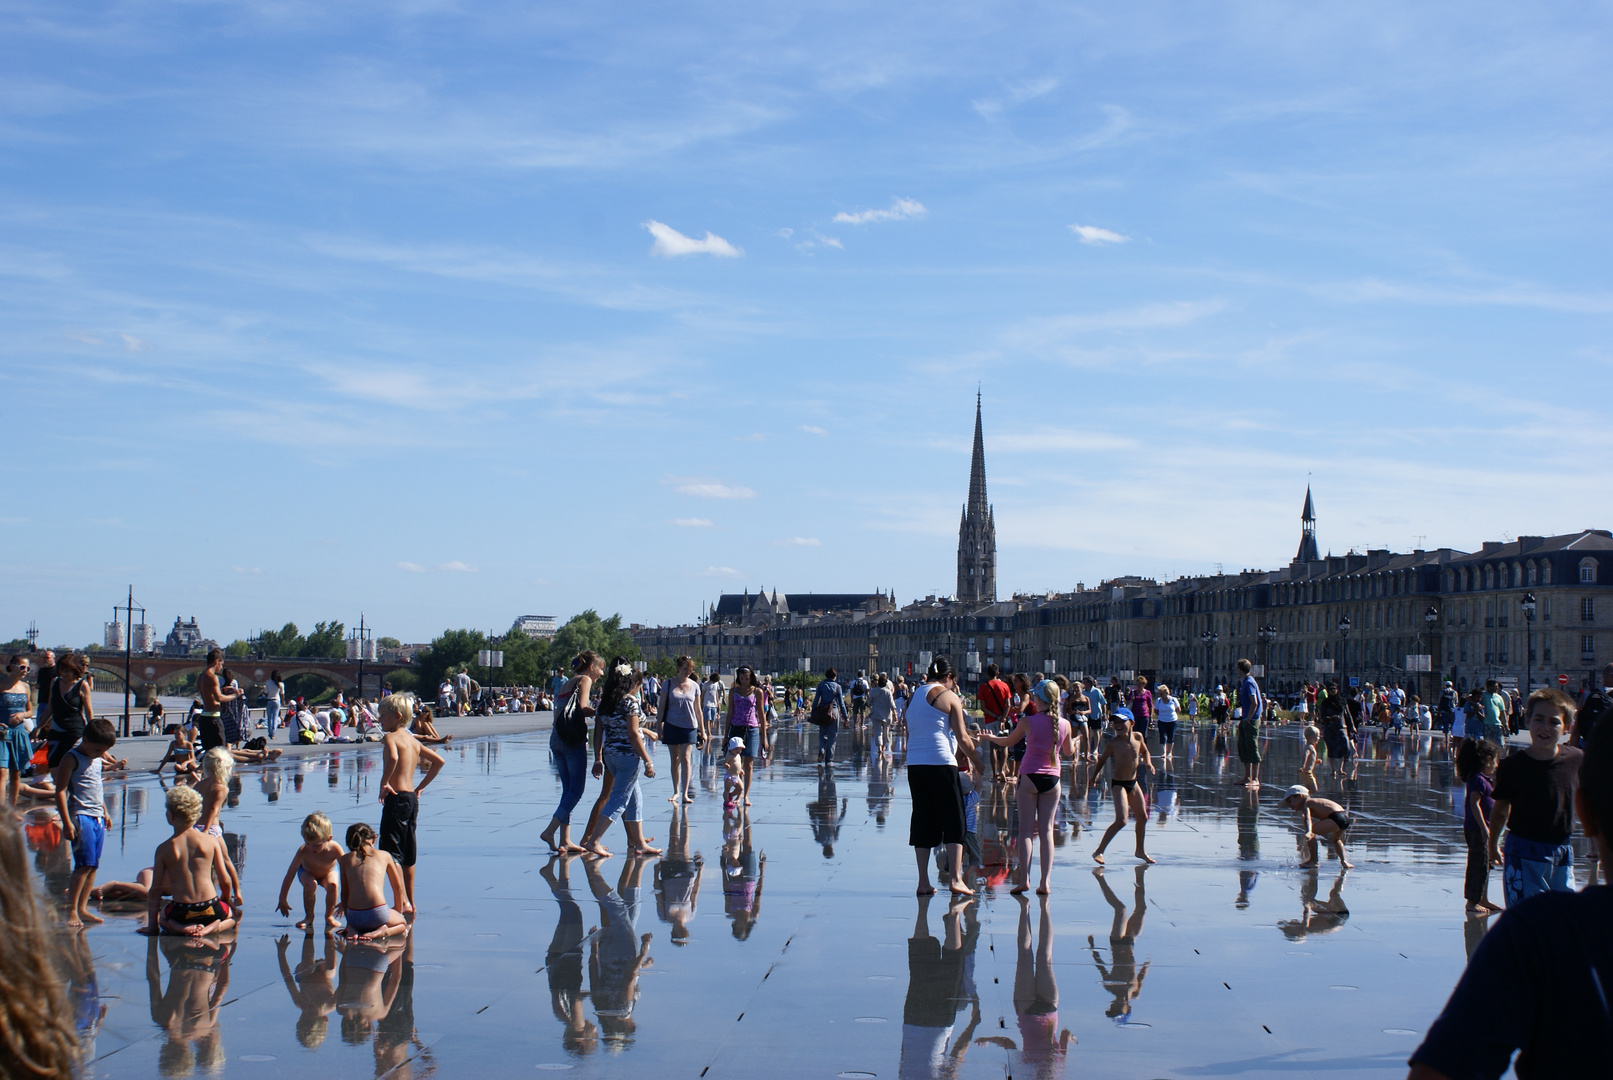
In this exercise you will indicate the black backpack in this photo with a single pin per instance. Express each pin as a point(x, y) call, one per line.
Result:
point(1597, 707)
point(571, 725)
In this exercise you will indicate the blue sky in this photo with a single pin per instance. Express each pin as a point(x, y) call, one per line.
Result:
point(448, 313)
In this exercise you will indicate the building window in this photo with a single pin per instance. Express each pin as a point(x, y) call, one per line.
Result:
point(1587, 571)
point(1587, 647)
point(1587, 609)
point(1545, 654)
point(1545, 573)
point(1532, 577)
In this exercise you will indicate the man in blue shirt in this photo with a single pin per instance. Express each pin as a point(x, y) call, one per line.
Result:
point(1251, 705)
point(825, 700)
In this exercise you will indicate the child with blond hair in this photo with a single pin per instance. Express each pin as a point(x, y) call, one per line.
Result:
point(314, 865)
point(193, 868)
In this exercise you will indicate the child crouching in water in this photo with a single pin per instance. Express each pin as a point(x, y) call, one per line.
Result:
point(314, 865)
point(365, 874)
point(190, 866)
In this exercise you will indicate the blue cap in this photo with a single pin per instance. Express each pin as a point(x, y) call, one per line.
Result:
point(1122, 714)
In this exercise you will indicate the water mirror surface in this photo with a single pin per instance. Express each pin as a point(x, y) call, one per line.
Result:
point(788, 942)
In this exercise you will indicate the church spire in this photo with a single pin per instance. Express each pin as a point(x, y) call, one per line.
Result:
point(1307, 536)
point(977, 531)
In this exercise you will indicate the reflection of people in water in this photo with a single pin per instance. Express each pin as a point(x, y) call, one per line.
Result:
point(1316, 917)
point(879, 789)
point(1043, 1046)
point(618, 953)
point(1246, 885)
point(1123, 978)
point(677, 878)
point(366, 985)
point(1249, 824)
point(394, 1034)
point(563, 963)
point(312, 987)
point(1165, 799)
point(940, 982)
point(84, 994)
point(826, 815)
point(742, 867)
point(198, 977)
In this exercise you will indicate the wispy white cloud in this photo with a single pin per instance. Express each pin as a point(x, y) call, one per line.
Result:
point(692, 523)
point(898, 211)
point(1092, 234)
point(247, 570)
point(1015, 94)
point(134, 344)
point(670, 243)
point(813, 429)
point(718, 572)
point(710, 489)
point(799, 541)
point(457, 567)
point(409, 567)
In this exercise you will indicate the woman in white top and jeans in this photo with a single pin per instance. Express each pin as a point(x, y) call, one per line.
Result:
point(936, 734)
point(683, 725)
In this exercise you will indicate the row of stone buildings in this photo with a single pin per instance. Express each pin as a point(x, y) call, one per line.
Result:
point(1379, 616)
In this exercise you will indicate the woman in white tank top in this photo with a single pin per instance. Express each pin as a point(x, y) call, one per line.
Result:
point(936, 737)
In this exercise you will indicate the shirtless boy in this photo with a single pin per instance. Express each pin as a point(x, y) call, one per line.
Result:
point(186, 867)
point(314, 865)
point(1129, 752)
point(401, 755)
point(1324, 820)
point(365, 874)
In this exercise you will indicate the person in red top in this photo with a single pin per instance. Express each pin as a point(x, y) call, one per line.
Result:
point(1142, 704)
point(994, 695)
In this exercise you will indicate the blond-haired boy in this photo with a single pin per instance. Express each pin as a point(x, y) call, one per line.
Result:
point(186, 867)
point(314, 865)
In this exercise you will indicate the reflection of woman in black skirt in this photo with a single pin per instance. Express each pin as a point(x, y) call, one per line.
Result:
point(935, 724)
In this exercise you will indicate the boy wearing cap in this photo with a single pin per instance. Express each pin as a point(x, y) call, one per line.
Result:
point(1324, 820)
point(1129, 752)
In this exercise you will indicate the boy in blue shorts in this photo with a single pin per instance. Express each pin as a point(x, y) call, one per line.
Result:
point(82, 808)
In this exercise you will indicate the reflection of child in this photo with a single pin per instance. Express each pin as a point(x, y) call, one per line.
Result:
point(186, 867)
point(314, 865)
point(1307, 766)
point(365, 874)
point(733, 772)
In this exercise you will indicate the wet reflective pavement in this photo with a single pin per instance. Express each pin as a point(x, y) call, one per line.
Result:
point(789, 943)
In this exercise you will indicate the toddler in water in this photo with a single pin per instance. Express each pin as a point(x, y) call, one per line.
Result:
point(1307, 766)
point(365, 874)
point(314, 865)
point(733, 771)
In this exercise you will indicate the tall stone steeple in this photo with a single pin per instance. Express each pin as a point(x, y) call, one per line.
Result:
point(977, 531)
point(1307, 535)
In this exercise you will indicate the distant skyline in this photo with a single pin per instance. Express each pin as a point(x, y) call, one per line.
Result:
point(449, 316)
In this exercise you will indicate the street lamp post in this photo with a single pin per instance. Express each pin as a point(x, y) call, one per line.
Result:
point(1344, 650)
point(1431, 618)
point(1529, 647)
point(1209, 637)
point(1267, 635)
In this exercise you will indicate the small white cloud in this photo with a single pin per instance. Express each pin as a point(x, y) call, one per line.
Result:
point(88, 339)
point(1091, 234)
point(799, 541)
point(900, 209)
point(692, 523)
point(247, 570)
point(457, 567)
point(413, 568)
point(831, 241)
point(134, 344)
point(786, 233)
point(670, 243)
point(813, 429)
point(715, 491)
point(718, 571)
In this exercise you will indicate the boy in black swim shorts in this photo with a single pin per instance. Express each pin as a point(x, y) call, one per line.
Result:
point(401, 755)
point(1129, 752)
point(1324, 820)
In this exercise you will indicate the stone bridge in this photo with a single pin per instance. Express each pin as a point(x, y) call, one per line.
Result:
point(152, 675)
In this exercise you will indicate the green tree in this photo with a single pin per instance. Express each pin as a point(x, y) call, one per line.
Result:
point(798, 680)
point(388, 642)
point(325, 643)
point(448, 651)
point(238, 649)
point(286, 641)
point(607, 637)
point(404, 680)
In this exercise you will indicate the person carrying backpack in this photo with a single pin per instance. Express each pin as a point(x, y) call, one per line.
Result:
point(859, 697)
point(825, 700)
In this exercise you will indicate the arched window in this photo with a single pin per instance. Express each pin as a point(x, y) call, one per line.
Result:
point(1587, 571)
point(1532, 574)
point(1489, 577)
point(1517, 575)
point(1450, 581)
point(1545, 572)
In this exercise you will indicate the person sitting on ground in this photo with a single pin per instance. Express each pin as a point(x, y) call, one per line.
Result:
point(424, 729)
point(366, 871)
point(314, 865)
point(1324, 820)
point(182, 756)
point(1549, 958)
point(124, 892)
point(191, 866)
